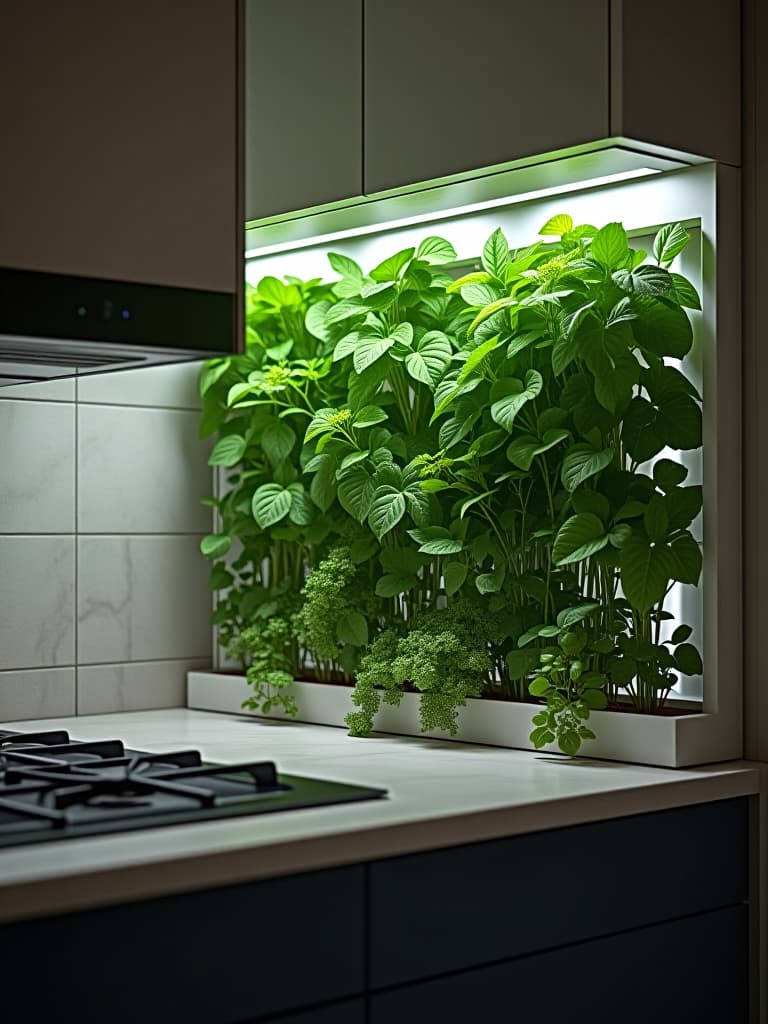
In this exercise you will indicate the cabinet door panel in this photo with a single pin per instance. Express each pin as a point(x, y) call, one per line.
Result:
point(121, 141)
point(461, 907)
point(451, 86)
point(233, 954)
point(689, 970)
point(303, 108)
point(352, 1012)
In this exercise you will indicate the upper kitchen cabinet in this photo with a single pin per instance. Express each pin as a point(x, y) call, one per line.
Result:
point(121, 147)
point(451, 88)
point(303, 104)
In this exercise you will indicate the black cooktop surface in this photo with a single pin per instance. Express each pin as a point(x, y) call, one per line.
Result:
point(53, 787)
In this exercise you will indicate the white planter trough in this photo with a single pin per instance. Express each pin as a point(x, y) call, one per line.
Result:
point(671, 741)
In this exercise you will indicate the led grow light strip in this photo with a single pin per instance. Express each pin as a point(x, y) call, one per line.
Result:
point(458, 211)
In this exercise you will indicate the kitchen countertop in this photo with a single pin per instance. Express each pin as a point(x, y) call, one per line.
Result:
point(440, 794)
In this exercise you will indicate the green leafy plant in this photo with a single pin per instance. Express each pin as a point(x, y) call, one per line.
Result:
point(265, 649)
point(408, 451)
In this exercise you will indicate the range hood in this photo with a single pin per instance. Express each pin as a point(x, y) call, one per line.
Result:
point(121, 220)
point(60, 325)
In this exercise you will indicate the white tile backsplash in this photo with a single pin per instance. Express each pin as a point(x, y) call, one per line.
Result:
point(171, 387)
point(141, 471)
point(62, 390)
point(100, 487)
point(40, 693)
point(37, 601)
point(37, 467)
point(142, 598)
point(134, 686)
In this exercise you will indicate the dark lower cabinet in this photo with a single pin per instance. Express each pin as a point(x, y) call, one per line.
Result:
point(689, 970)
point(641, 919)
point(350, 1012)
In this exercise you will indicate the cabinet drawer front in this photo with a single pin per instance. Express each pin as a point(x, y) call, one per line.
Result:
point(231, 954)
point(474, 904)
point(689, 970)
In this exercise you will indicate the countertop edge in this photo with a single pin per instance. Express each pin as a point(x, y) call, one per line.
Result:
point(158, 876)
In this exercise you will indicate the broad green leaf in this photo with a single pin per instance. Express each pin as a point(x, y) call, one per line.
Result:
point(668, 474)
point(228, 451)
point(523, 450)
point(509, 395)
point(346, 346)
point(322, 490)
point(368, 350)
point(392, 584)
point(454, 575)
point(521, 662)
point(368, 416)
point(491, 582)
point(215, 545)
point(669, 242)
point(644, 280)
point(646, 571)
point(431, 356)
point(619, 535)
point(609, 246)
point(272, 290)
point(435, 540)
point(582, 462)
point(390, 268)
point(662, 327)
point(520, 342)
point(495, 255)
point(352, 628)
point(435, 250)
point(578, 538)
point(476, 277)
point(346, 267)
point(688, 660)
point(480, 294)
point(345, 309)
point(558, 225)
point(351, 460)
point(685, 559)
point(355, 492)
point(271, 503)
point(363, 550)
point(386, 511)
point(476, 357)
point(417, 503)
point(564, 351)
point(681, 634)
point(684, 293)
point(315, 320)
point(212, 371)
point(302, 510)
point(576, 613)
point(655, 519)
point(494, 307)
point(277, 441)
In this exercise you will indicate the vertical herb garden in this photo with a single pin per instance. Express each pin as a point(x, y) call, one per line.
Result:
point(459, 486)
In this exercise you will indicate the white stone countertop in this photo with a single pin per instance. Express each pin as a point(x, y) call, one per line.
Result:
point(440, 794)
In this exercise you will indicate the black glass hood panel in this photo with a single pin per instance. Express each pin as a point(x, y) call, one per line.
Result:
point(57, 325)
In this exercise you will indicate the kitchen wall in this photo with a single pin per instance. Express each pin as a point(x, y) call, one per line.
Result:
point(103, 597)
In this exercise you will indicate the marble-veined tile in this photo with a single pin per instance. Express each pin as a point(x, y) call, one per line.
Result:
point(37, 467)
point(141, 471)
point(37, 601)
point(142, 598)
point(170, 387)
point(38, 693)
point(61, 389)
point(134, 686)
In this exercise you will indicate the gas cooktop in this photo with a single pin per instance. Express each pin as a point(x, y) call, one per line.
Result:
point(53, 787)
